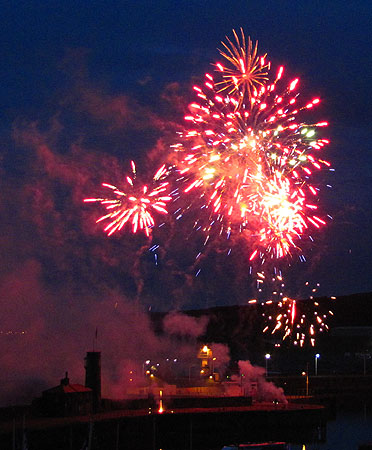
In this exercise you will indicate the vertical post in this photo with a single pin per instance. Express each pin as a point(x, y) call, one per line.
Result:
point(144, 367)
point(153, 432)
point(306, 374)
point(117, 437)
point(90, 436)
point(24, 440)
point(317, 356)
point(307, 379)
point(307, 384)
point(70, 437)
point(93, 377)
point(267, 357)
point(161, 409)
point(14, 434)
point(190, 432)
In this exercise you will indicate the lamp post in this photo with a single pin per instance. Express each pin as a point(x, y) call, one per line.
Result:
point(190, 367)
point(145, 363)
point(317, 356)
point(267, 357)
point(306, 374)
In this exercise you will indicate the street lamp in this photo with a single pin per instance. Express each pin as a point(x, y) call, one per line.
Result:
point(317, 356)
point(306, 374)
point(213, 363)
point(145, 363)
point(267, 357)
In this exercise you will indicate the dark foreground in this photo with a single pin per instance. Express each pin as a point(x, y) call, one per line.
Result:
point(198, 429)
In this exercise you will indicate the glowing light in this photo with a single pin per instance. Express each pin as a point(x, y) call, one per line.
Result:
point(161, 409)
point(136, 204)
point(239, 159)
point(247, 71)
point(299, 321)
point(245, 165)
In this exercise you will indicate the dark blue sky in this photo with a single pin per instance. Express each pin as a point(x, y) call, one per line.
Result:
point(326, 42)
point(72, 73)
point(88, 85)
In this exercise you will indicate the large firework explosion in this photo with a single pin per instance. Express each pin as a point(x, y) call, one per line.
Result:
point(244, 167)
point(249, 155)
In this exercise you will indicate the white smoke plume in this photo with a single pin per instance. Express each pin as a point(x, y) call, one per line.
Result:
point(176, 323)
point(254, 382)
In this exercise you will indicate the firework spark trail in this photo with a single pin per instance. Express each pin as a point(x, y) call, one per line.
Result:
point(249, 158)
point(248, 162)
point(296, 320)
point(248, 70)
point(135, 203)
point(245, 166)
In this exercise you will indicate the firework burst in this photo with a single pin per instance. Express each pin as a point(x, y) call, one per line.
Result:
point(134, 204)
point(249, 157)
point(244, 166)
point(298, 321)
point(247, 72)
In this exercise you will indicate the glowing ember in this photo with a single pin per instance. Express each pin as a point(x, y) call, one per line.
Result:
point(299, 321)
point(135, 204)
point(246, 165)
point(248, 159)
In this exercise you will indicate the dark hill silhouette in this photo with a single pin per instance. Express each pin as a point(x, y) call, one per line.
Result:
point(240, 326)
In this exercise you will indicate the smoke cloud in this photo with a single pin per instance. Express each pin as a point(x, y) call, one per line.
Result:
point(253, 381)
point(179, 324)
point(47, 332)
point(61, 277)
point(221, 356)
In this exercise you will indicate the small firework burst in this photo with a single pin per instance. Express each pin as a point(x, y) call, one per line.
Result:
point(298, 321)
point(248, 71)
point(135, 204)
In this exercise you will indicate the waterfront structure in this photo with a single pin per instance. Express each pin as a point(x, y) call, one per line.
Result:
point(93, 377)
point(66, 399)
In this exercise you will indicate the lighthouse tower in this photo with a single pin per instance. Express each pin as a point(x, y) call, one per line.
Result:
point(93, 377)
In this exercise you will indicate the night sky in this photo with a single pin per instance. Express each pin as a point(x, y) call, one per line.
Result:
point(88, 86)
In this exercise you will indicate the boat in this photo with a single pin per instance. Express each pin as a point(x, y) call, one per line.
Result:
point(258, 446)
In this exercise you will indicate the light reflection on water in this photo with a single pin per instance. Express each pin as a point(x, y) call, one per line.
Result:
point(347, 431)
point(347, 428)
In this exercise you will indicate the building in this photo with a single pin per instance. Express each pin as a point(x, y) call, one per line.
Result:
point(66, 399)
point(93, 377)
